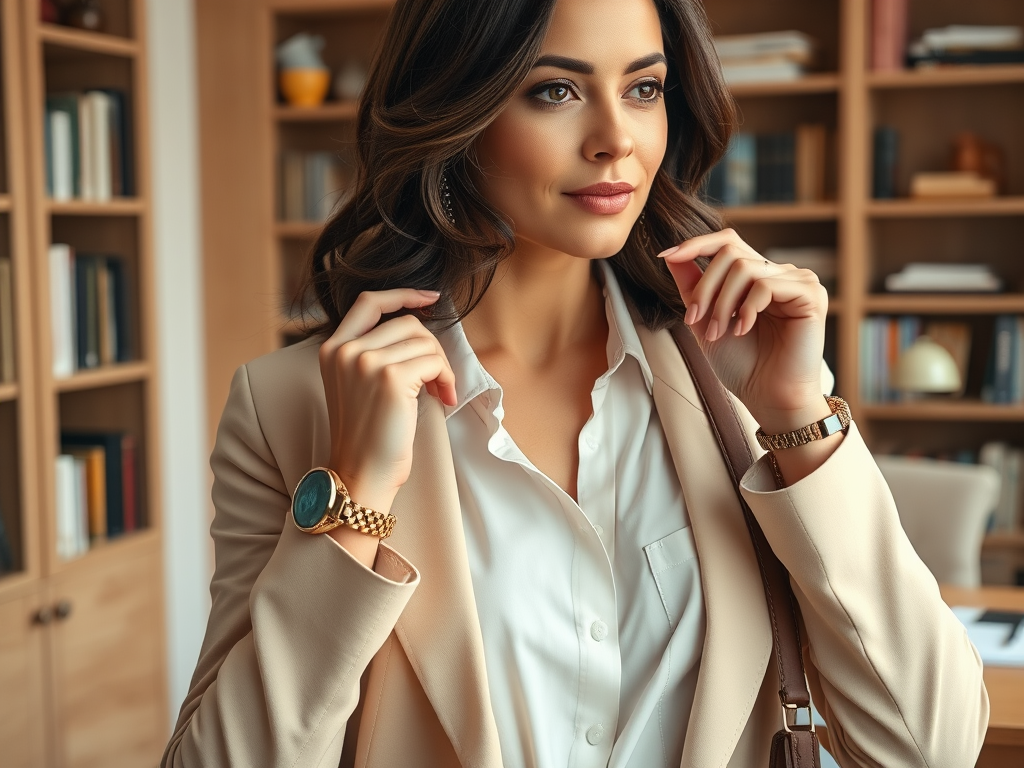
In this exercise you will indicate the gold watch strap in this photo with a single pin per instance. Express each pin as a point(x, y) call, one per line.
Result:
point(343, 511)
point(839, 421)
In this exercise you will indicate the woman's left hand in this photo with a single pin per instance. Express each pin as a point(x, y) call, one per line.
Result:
point(762, 326)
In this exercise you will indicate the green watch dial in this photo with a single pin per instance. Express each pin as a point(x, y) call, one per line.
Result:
point(312, 498)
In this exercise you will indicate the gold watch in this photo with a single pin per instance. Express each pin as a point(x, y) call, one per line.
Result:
point(839, 421)
point(321, 503)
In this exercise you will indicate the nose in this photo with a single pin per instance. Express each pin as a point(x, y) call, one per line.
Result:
point(608, 136)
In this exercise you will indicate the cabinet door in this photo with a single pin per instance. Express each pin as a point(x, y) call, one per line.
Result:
point(22, 658)
point(108, 661)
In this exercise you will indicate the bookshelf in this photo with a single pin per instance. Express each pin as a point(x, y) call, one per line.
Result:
point(872, 237)
point(82, 636)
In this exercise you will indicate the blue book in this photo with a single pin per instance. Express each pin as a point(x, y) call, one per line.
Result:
point(741, 170)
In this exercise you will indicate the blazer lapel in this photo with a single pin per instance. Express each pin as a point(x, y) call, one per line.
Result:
point(440, 629)
point(738, 641)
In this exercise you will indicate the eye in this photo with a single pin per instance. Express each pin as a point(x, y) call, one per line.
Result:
point(553, 93)
point(647, 91)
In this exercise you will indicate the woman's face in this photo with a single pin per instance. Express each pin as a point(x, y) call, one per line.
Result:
point(571, 159)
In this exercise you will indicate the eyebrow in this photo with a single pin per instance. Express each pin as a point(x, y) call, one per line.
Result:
point(586, 68)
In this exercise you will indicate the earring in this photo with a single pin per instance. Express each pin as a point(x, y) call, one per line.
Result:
point(645, 236)
point(446, 199)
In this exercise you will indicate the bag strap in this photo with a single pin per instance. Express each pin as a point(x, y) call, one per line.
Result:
point(782, 606)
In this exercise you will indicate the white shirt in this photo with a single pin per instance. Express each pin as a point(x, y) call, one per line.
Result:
point(591, 613)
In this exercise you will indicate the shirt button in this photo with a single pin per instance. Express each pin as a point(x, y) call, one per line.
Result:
point(595, 734)
point(599, 631)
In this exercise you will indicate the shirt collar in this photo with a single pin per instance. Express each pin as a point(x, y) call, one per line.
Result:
point(473, 380)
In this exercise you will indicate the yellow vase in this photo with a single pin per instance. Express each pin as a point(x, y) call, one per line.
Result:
point(305, 87)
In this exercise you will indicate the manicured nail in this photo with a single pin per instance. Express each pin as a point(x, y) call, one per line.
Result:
point(691, 314)
point(431, 294)
point(738, 328)
point(712, 333)
point(669, 252)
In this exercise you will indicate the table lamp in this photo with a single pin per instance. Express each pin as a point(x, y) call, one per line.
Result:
point(928, 367)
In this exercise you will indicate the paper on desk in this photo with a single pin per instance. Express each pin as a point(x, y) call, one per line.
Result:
point(992, 639)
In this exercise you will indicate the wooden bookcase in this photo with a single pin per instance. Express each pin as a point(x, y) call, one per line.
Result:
point(872, 237)
point(82, 658)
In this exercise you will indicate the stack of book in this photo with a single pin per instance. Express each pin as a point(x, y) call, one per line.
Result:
point(1004, 373)
point(883, 339)
point(820, 260)
point(765, 57)
point(89, 301)
point(951, 185)
point(312, 185)
point(7, 372)
point(944, 278)
point(771, 168)
point(97, 489)
point(1008, 461)
point(971, 45)
point(88, 146)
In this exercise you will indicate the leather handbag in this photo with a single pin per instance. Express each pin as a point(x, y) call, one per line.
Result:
point(795, 746)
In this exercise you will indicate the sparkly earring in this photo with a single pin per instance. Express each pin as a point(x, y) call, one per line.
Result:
point(446, 199)
point(645, 236)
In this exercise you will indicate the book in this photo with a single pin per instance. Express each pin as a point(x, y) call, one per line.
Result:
point(951, 184)
point(87, 311)
point(961, 36)
point(98, 113)
point(112, 444)
point(791, 43)
point(65, 145)
point(7, 367)
point(955, 338)
point(944, 278)
point(118, 304)
point(886, 156)
point(741, 170)
point(93, 459)
point(71, 512)
point(63, 309)
point(6, 549)
point(1002, 362)
point(810, 162)
point(1008, 461)
point(312, 185)
point(129, 464)
point(888, 34)
point(735, 73)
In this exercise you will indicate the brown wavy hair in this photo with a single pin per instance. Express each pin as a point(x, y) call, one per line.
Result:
point(444, 71)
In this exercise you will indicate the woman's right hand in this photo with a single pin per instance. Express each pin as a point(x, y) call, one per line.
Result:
point(372, 376)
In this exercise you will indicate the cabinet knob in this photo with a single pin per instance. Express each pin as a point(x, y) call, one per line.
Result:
point(62, 610)
point(43, 616)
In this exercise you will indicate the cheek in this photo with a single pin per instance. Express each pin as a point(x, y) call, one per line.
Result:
point(518, 157)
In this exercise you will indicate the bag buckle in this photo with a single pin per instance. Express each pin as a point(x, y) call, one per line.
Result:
point(789, 718)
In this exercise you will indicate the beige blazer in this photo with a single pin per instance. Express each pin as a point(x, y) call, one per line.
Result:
point(310, 659)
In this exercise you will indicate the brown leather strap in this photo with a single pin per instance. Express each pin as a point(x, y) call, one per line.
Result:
point(782, 607)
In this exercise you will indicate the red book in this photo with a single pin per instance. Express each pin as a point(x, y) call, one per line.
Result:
point(888, 34)
point(128, 478)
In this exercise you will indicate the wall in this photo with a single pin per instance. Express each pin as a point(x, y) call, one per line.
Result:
point(173, 110)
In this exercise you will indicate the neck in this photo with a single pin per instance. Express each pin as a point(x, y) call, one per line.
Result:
point(539, 305)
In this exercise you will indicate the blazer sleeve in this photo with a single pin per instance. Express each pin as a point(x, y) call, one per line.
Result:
point(294, 622)
point(891, 668)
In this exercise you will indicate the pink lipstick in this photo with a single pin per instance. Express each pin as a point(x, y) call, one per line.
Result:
point(605, 198)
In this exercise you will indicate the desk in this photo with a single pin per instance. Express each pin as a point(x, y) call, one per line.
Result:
point(1004, 743)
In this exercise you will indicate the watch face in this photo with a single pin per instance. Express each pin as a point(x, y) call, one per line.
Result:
point(312, 499)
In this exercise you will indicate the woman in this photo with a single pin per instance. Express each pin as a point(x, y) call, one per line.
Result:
point(569, 580)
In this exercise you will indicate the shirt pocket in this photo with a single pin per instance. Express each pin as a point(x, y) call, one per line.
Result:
point(673, 565)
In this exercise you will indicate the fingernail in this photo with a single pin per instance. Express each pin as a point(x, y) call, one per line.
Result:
point(738, 329)
point(431, 294)
point(669, 251)
point(691, 314)
point(712, 333)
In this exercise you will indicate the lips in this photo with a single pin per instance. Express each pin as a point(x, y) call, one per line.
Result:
point(604, 198)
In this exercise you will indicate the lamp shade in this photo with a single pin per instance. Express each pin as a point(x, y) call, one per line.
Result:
point(926, 366)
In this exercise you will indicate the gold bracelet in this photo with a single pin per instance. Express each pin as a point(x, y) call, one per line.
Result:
point(839, 421)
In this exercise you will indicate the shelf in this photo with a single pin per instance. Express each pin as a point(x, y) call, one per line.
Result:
point(107, 376)
point(768, 212)
point(948, 410)
point(949, 76)
point(908, 208)
point(1004, 539)
point(82, 40)
point(329, 112)
point(946, 304)
point(818, 83)
point(8, 392)
point(121, 206)
point(298, 230)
